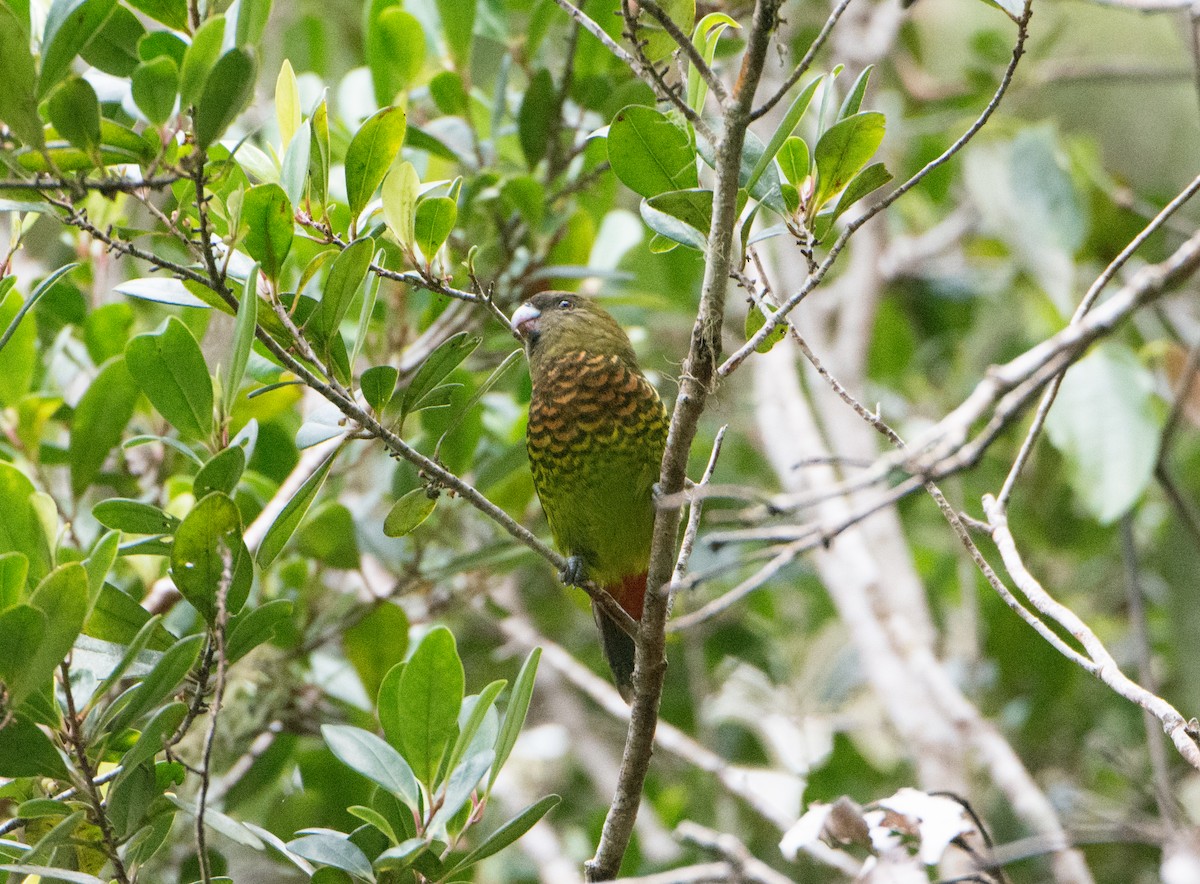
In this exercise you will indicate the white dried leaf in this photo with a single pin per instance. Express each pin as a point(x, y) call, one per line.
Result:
point(938, 820)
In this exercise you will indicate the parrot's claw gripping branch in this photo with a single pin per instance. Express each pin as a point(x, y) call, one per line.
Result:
point(573, 573)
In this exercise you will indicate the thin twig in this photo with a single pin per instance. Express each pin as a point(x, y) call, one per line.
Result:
point(220, 624)
point(695, 510)
point(80, 750)
point(106, 186)
point(818, 275)
point(1099, 661)
point(715, 85)
point(1160, 774)
point(727, 600)
point(1093, 292)
point(805, 62)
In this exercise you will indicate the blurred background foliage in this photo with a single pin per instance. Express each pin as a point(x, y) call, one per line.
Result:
point(1098, 131)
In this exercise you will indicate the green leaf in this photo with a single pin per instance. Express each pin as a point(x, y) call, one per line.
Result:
point(267, 211)
point(692, 207)
point(372, 757)
point(458, 25)
point(288, 520)
point(431, 693)
point(170, 370)
point(62, 597)
point(75, 112)
point(337, 851)
point(514, 715)
point(475, 709)
point(133, 517)
point(371, 152)
point(649, 153)
point(510, 360)
point(70, 26)
point(117, 618)
point(852, 103)
point(163, 43)
point(213, 526)
point(155, 85)
point(376, 644)
point(374, 818)
point(318, 156)
point(794, 160)
point(401, 856)
point(756, 320)
point(100, 418)
point(161, 291)
point(446, 90)
point(407, 513)
point(21, 529)
point(867, 181)
point(395, 51)
point(658, 43)
point(26, 751)
point(293, 174)
point(199, 59)
point(400, 203)
point(227, 91)
point(708, 31)
point(538, 116)
point(1107, 425)
point(115, 49)
point(222, 472)
point(14, 570)
point(378, 383)
point(507, 834)
point(671, 228)
point(12, 311)
point(287, 103)
point(161, 682)
point(329, 537)
point(243, 337)
point(172, 13)
point(22, 628)
point(256, 626)
point(345, 277)
point(18, 349)
point(844, 149)
point(252, 21)
point(157, 730)
point(461, 783)
point(18, 98)
point(99, 562)
point(434, 220)
point(791, 119)
point(133, 653)
point(443, 360)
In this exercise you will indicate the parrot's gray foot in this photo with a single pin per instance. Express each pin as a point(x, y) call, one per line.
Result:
point(573, 572)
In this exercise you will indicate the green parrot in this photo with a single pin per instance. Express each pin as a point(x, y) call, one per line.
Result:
point(596, 435)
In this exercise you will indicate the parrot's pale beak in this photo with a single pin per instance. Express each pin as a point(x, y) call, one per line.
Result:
point(524, 321)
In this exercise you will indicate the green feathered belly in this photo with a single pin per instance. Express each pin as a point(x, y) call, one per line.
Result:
point(596, 436)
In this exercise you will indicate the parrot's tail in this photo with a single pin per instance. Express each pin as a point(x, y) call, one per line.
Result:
point(619, 649)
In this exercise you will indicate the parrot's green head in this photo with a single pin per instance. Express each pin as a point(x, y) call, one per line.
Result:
point(554, 324)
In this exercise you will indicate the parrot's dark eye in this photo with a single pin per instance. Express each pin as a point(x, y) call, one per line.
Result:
point(566, 304)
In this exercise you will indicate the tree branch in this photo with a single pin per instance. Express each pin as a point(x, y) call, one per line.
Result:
point(697, 376)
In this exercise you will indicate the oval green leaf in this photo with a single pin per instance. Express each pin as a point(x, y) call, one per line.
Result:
point(408, 513)
point(171, 371)
point(370, 154)
point(227, 91)
point(649, 153)
point(267, 212)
